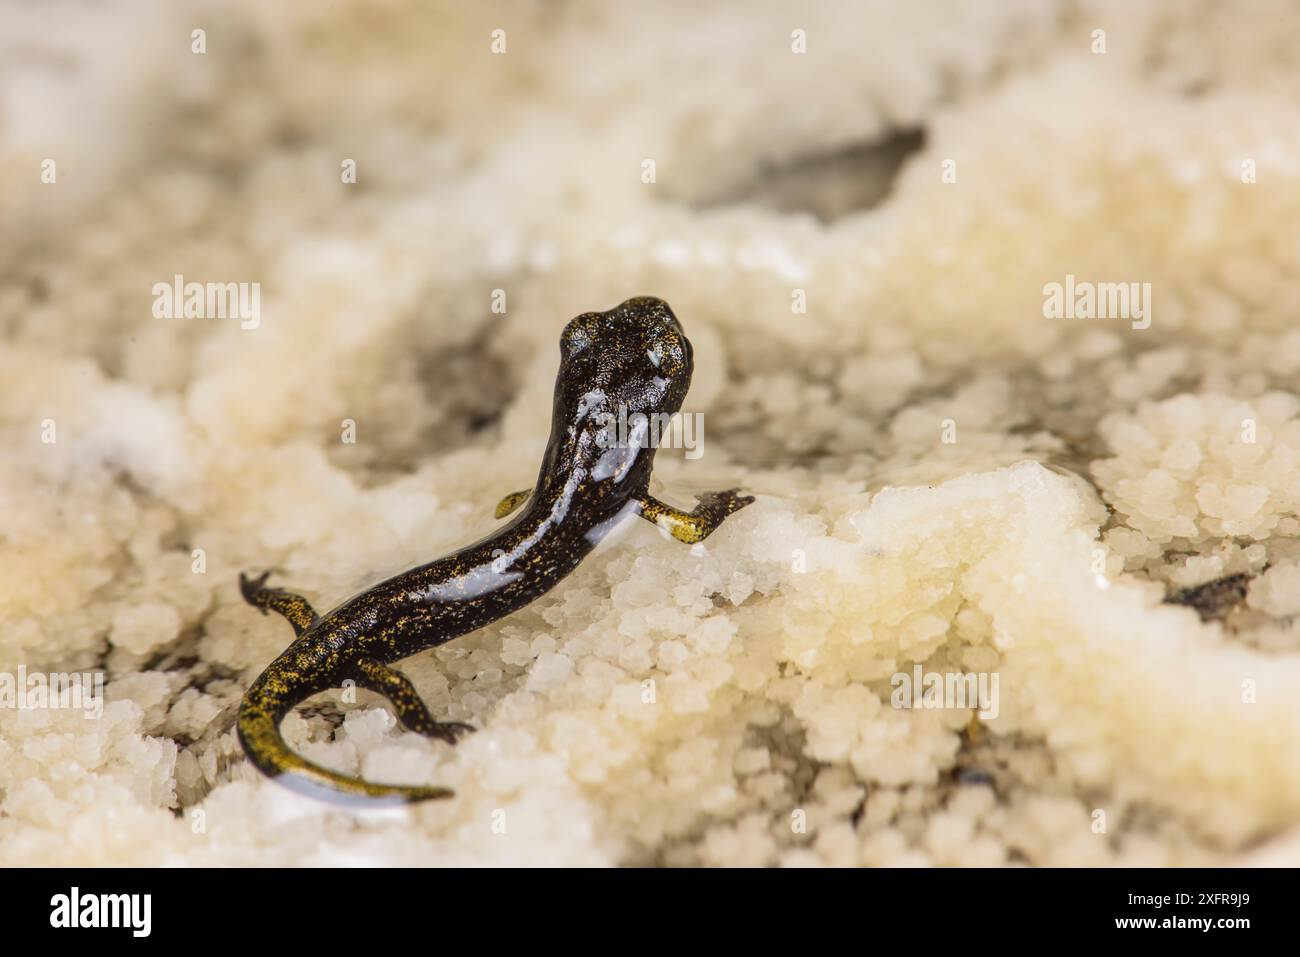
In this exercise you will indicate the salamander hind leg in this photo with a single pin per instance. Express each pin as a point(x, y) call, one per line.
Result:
point(406, 702)
point(293, 607)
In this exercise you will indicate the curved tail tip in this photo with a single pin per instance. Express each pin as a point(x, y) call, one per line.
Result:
point(258, 729)
point(361, 795)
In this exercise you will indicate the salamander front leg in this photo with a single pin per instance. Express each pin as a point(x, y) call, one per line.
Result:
point(294, 607)
point(512, 502)
point(407, 704)
point(699, 523)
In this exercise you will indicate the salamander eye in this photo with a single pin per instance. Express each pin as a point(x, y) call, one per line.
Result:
point(666, 353)
point(575, 338)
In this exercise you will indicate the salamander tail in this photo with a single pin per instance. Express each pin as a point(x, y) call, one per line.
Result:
point(260, 715)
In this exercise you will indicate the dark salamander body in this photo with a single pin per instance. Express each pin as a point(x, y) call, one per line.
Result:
point(631, 360)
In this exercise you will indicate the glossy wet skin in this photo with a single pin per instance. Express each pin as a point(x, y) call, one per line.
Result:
point(633, 360)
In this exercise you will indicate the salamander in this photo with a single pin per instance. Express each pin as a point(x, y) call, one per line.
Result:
point(632, 363)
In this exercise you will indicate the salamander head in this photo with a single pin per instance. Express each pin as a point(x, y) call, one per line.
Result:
point(635, 355)
point(626, 365)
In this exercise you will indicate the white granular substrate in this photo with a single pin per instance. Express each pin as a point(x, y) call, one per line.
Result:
point(945, 477)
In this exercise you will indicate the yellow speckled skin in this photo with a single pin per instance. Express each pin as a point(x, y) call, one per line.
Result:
point(633, 357)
